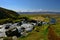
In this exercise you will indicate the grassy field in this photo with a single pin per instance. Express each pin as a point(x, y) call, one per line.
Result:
point(43, 30)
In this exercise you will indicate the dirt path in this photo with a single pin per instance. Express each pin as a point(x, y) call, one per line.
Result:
point(52, 34)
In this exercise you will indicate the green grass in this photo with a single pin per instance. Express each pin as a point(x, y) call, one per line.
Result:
point(43, 30)
point(57, 29)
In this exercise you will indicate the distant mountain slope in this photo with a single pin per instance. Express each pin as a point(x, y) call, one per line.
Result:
point(5, 13)
point(39, 12)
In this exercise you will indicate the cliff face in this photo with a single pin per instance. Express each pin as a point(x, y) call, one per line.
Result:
point(5, 13)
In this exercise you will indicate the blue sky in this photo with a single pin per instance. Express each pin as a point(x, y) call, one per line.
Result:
point(31, 5)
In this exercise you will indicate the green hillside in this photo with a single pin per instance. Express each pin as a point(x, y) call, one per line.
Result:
point(7, 15)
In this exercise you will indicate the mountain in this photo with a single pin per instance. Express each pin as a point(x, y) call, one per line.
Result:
point(5, 13)
point(39, 12)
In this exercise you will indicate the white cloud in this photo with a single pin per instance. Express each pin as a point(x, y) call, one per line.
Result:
point(36, 10)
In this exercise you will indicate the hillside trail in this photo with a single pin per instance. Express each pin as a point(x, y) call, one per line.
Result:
point(52, 34)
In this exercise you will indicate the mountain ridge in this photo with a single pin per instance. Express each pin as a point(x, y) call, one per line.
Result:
point(38, 12)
